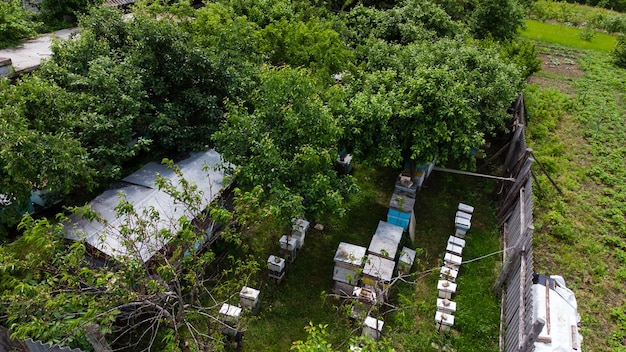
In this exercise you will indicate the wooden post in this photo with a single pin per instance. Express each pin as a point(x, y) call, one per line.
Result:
point(507, 269)
point(96, 339)
point(529, 341)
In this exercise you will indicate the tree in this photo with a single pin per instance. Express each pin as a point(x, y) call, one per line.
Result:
point(52, 291)
point(286, 143)
point(33, 156)
point(313, 44)
point(496, 18)
point(427, 100)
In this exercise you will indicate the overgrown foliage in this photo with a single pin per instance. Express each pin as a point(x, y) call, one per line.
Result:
point(15, 23)
point(52, 291)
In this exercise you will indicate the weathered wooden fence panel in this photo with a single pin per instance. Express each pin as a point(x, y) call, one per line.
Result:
point(515, 213)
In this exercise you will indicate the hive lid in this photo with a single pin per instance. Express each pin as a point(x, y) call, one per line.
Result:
point(445, 285)
point(350, 254)
point(249, 293)
point(456, 240)
point(454, 259)
point(230, 311)
point(407, 255)
point(466, 208)
point(402, 202)
point(379, 268)
point(383, 246)
point(390, 231)
point(300, 225)
point(373, 323)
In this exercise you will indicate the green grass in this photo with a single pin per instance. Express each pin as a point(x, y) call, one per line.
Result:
point(289, 307)
point(567, 36)
point(581, 235)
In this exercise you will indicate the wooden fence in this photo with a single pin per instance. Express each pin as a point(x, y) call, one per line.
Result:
point(516, 215)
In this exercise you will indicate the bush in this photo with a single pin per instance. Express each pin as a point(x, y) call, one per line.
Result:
point(523, 53)
point(15, 23)
point(619, 53)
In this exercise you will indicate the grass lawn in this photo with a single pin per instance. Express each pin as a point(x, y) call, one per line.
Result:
point(567, 36)
point(287, 308)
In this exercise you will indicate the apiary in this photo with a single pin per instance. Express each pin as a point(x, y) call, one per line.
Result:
point(229, 315)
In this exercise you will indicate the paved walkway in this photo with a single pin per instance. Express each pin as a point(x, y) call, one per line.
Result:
point(27, 57)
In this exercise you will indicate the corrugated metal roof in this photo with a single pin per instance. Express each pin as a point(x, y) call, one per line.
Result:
point(139, 189)
point(38, 346)
point(120, 2)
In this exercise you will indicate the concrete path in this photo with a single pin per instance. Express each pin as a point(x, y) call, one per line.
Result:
point(27, 57)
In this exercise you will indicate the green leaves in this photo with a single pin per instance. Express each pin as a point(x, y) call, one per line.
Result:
point(285, 143)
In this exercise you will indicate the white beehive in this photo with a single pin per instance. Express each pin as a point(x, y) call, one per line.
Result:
point(349, 256)
point(372, 327)
point(457, 241)
point(276, 267)
point(446, 289)
point(289, 245)
point(462, 214)
point(249, 298)
point(405, 262)
point(300, 227)
point(466, 208)
point(462, 224)
point(454, 249)
point(452, 261)
point(443, 321)
point(448, 274)
point(229, 314)
point(446, 306)
point(275, 263)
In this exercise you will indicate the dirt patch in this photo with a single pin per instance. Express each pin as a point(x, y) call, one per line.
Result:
point(563, 66)
point(557, 72)
point(552, 83)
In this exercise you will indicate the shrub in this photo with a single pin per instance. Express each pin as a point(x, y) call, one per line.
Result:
point(619, 53)
point(523, 53)
point(15, 23)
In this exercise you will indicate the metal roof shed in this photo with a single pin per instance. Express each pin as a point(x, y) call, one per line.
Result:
point(140, 190)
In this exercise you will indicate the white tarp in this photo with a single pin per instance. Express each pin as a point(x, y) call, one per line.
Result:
point(139, 189)
point(555, 304)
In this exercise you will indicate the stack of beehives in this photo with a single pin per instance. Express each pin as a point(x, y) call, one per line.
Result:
point(290, 244)
point(446, 287)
